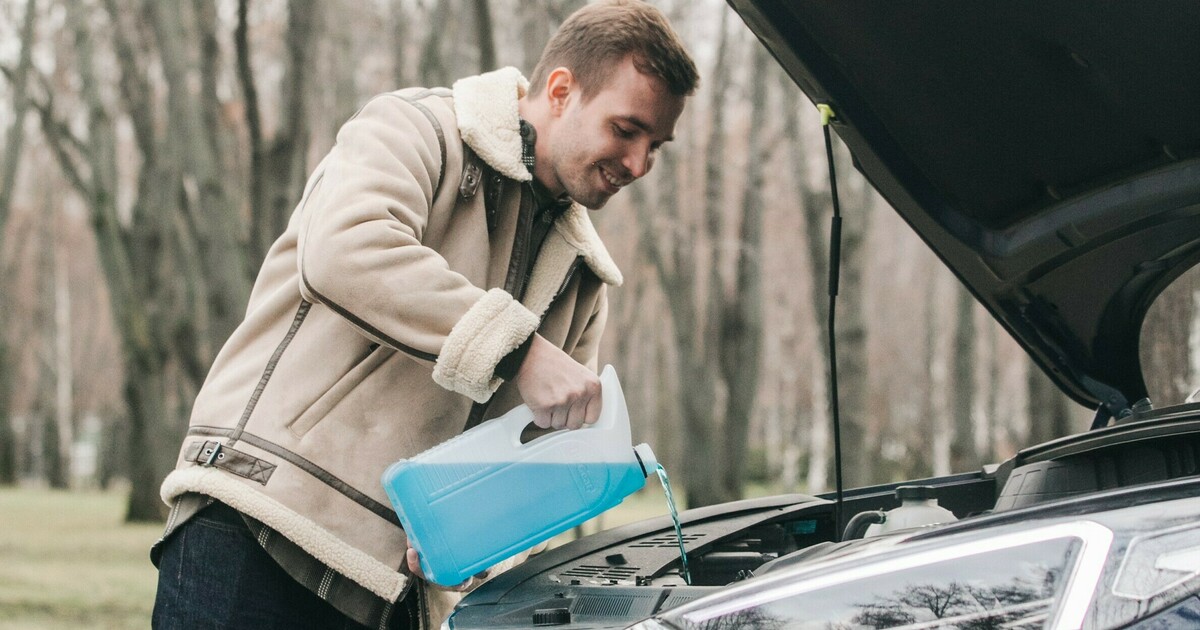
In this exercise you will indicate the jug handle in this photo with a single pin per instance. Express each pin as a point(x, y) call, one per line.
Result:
point(612, 408)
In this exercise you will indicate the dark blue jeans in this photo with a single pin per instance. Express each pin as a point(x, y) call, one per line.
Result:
point(213, 574)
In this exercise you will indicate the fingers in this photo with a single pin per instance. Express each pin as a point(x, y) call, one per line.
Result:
point(562, 393)
point(578, 413)
point(573, 412)
point(593, 410)
point(414, 563)
point(413, 559)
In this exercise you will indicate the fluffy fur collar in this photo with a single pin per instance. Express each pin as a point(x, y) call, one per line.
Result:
point(486, 108)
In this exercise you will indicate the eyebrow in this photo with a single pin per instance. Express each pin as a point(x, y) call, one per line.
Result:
point(644, 126)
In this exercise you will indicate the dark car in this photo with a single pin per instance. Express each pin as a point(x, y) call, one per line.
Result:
point(1049, 153)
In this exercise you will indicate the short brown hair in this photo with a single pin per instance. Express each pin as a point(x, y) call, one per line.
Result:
point(596, 38)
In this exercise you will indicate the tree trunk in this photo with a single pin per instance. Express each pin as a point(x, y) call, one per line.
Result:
point(742, 326)
point(190, 148)
point(696, 375)
point(534, 32)
point(53, 451)
point(64, 373)
point(816, 208)
point(278, 167)
point(1049, 417)
point(963, 455)
point(14, 140)
point(1165, 343)
point(148, 434)
point(929, 424)
point(8, 437)
point(433, 68)
point(992, 404)
point(1193, 337)
point(939, 382)
point(700, 340)
point(858, 445)
point(485, 37)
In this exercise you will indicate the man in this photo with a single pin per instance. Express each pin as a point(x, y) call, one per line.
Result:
point(439, 270)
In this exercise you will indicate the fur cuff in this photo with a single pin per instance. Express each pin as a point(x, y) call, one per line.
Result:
point(493, 327)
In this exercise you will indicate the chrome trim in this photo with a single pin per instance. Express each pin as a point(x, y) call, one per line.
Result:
point(1095, 541)
point(1132, 548)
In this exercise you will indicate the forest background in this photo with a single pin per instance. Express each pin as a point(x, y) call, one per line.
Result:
point(153, 149)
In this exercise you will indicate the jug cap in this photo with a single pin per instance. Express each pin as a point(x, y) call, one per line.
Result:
point(646, 458)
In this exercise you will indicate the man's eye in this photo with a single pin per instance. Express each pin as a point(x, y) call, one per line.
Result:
point(622, 132)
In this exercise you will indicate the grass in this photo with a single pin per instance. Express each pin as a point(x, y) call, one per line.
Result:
point(68, 561)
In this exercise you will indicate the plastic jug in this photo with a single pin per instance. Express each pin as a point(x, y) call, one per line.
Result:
point(483, 496)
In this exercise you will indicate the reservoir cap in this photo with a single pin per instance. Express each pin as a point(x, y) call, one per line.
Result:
point(916, 493)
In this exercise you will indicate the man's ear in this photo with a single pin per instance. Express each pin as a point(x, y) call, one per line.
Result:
point(560, 85)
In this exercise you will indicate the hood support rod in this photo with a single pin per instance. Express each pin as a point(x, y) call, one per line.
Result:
point(835, 256)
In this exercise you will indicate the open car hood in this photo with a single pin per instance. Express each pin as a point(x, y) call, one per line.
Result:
point(1048, 152)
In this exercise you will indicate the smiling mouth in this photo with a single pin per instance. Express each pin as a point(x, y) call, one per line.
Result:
point(613, 181)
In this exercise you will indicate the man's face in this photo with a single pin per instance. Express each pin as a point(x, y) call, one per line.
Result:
point(603, 144)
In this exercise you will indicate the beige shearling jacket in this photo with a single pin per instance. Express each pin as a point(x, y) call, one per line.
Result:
point(377, 320)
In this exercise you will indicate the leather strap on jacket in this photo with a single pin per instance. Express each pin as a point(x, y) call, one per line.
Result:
point(477, 173)
point(213, 453)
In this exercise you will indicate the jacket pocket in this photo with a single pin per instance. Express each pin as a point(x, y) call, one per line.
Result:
point(327, 402)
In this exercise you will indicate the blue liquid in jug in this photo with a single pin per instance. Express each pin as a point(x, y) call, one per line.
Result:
point(464, 518)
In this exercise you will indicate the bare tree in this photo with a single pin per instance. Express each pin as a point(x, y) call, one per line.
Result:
point(176, 267)
point(741, 329)
point(695, 329)
point(484, 36)
point(14, 139)
point(277, 166)
point(54, 410)
point(717, 322)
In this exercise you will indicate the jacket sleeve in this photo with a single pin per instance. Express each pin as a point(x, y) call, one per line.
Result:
point(361, 252)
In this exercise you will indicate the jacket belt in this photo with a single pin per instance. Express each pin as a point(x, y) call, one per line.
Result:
point(213, 453)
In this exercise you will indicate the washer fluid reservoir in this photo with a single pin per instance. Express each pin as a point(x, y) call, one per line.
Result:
point(918, 507)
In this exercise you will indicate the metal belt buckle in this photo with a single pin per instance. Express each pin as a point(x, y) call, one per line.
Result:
point(216, 454)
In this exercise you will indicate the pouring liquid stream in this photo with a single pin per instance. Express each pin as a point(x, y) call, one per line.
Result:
point(666, 484)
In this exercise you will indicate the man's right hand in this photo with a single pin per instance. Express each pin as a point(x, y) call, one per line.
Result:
point(561, 392)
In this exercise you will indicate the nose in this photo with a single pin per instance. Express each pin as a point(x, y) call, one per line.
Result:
point(638, 161)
